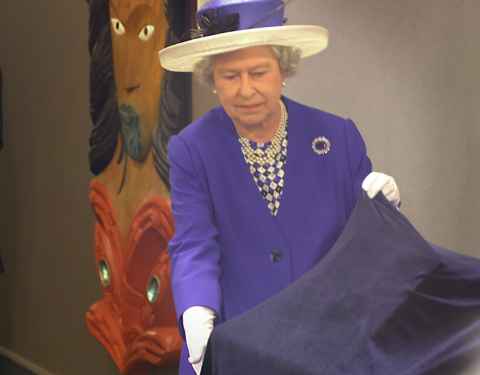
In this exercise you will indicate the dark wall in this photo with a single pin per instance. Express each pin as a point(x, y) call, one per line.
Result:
point(45, 219)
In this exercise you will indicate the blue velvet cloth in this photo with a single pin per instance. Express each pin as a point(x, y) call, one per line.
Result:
point(382, 301)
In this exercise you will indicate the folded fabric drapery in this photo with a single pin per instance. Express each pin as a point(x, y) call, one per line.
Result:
point(383, 301)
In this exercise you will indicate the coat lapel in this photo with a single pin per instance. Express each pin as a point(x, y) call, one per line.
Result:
point(299, 183)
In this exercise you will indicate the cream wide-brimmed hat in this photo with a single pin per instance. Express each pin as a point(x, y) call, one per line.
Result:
point(229, 25)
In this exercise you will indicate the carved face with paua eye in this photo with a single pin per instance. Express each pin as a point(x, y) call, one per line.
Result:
point(139, 30)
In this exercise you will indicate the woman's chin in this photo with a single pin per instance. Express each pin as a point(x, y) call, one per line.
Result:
point(251, 119)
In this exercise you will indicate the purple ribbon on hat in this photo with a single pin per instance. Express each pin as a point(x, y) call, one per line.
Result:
point(220, 16)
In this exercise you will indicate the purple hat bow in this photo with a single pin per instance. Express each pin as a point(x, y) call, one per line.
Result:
point(220, 16)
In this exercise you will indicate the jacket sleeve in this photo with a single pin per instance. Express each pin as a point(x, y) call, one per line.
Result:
point(194, 249)
point(359, 162)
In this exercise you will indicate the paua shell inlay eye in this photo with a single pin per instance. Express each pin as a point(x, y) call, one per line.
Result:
point(104, 273)
point(153, 289)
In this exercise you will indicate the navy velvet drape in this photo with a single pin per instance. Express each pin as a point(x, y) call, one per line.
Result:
point(383, 301)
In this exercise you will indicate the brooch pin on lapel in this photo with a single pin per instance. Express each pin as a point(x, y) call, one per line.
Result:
point(321, 145)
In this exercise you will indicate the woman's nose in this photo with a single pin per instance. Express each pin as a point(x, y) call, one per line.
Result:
point(246, 86)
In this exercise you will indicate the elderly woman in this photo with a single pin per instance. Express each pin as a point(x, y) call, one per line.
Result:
point(262, 185)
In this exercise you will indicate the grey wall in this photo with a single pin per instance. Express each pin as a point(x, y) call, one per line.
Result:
point(472, 97)
point(45, 219)
point(407, 72)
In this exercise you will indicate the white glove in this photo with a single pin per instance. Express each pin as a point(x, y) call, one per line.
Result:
point(198, 325)
point(376, 182)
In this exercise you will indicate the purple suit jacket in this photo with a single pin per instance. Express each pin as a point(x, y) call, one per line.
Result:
point(228, 252)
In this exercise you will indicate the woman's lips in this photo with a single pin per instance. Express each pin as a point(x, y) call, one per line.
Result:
point(250, 107)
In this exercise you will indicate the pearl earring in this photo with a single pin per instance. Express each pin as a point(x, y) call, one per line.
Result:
point(214, 91)
point(284, 84)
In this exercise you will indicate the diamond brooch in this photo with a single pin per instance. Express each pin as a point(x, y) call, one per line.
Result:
point(321, 145)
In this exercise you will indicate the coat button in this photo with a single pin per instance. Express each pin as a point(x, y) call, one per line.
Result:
point(275, 256)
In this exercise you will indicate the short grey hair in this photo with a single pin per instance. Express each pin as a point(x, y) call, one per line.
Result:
point(288, 60)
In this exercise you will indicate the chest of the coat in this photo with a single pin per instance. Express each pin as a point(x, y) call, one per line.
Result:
point(312, 205)
point(311, 179)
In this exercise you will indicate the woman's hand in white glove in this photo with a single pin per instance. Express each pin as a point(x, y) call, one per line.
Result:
point(198, 325)
point(376, 182)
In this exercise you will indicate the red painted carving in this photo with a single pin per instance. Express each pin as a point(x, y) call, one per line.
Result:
point(135, 332)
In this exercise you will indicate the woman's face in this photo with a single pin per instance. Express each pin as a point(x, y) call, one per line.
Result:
point(249, 85)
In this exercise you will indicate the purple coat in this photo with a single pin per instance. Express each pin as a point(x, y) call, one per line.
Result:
point(228, 252)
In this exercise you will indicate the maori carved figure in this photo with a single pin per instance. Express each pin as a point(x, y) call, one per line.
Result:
point(135, 108)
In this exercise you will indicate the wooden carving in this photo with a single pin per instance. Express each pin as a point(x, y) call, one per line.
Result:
point(135, 107)
point(134, 320)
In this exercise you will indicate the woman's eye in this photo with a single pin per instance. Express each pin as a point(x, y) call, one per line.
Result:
point(229, 77)
point(258, 74)
point(146, 32)
point(117, 26)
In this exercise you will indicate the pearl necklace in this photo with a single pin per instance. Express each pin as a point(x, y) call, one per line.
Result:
point(267, 155)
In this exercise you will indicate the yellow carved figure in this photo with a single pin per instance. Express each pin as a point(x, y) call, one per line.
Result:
point(139, 29)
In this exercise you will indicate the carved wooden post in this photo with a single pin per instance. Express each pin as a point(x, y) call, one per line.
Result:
point(135, 107)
